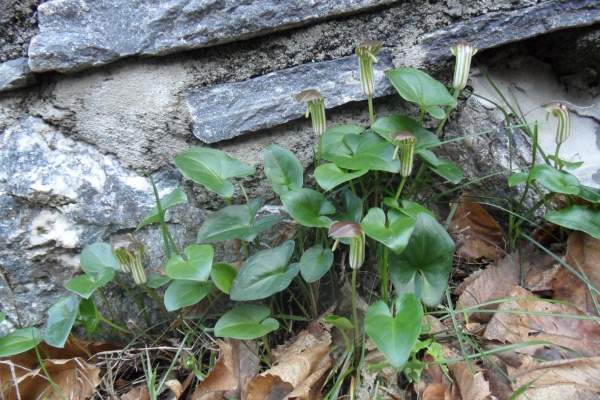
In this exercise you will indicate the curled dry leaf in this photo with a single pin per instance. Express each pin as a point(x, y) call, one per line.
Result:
point(580, 335)
point(467, 386)
point(477, 235)
point(583, 254)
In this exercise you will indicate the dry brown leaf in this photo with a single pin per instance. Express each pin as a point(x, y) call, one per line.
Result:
point(75, 378)
point(139, 393)
point(471, 386)
point(476, 233)
point(565, 379)
point(236, 367)
point(435, 391)
point(580, 335)
point(583, 254)
point(494, 283)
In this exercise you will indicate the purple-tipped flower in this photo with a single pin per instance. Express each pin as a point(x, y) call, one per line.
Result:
point(354, 232)
point(128, 253)
point(366, 57)
point(405, 142)
point(315, 107)
point(560, 111)
point(463, 53)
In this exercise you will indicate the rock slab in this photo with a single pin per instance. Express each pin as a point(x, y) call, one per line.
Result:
point(15, 74)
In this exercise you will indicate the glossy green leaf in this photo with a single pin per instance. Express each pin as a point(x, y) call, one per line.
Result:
point(351, 208)
point(519, 177)
point(387, 126)
point(19, 341)
point(265, 273)
point(554, 180)
point(341, 323)
point(423, 268)
point(393, 231)
point(89, 315)
point(85, 285)
point(212, 168)
point(590, 194)
point(96, 257)
point(367, 151)
point(395, 335)
point(315, 262)
point(196, 267)
point(428, 156)
point(223, 274)
point(329, 176)
point(412, 209)
point(246, 323)
point(61, 317)
point(418, 87)
point(333, 140)
point(235, 222)
point(181, 293)
point(580, 218)
point(156, 280)
point(448, 170)
point(283, 170)
point(177, 196)
point(308, 207)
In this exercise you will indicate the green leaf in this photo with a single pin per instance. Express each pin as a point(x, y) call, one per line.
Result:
point(246, 323)
point(395, 335)
point(394, 233)
point(177, 196)
point(85, 285)
point(412, 209)
point(265, 273)
point(315, 262)
point(519, 177)
point(283, 169)
point(343, 324)
point(156, 280)
point(579, 218)
point(96, 257)
point(61, 317)
point(446, 169)
point(418, 87)
point(554, 180)
point(387, 126)
point(181, 293)
point(329, 176)
point(19, 341)
point(89, 315)
point(590, 194)
point(308, 207)
point(423, 268)
point(196, 268)
point(428, 156)
point(367, 151)
point(2, 317)
point(212, 168)
point(223, 274)
point(235, 222)
point(351, 209)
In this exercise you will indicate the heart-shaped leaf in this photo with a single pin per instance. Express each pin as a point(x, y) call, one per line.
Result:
point(367, 151)
point(329, 176)
point(96, 257)
point(351, 209)
point(448, 170)
point(235, 222)
point(308, 207)
point(61, 317)
point(246, 323)
point(283, 169)
point(19, 341)
point(341, 323)
point(394, 234)
point(387, 126)
point(196, 268)
point(580, 218)
point(212, 168)
point(418, 87)
point(177, 196)
point(423, 268)
point(181, 293)
point(395, 335)
point(265, 273)
point(315, 262)
point(590, 194)
point(223, 274)
point(156, 280)
point(89, 315)
point(85, 285)
point(333, 140)
point(554, 180)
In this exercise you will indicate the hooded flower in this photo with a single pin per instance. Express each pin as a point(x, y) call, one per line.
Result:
point(315, 106)
point(366, 57)
point(354, 232)
point(463, 53)
point(128, 253)
point(405, 142)
point(561, 112)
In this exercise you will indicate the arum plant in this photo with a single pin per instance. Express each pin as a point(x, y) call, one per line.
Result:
point(563, 130)
point(463, 53)
point(405, 143)
point(366, 52)
point(315, 108)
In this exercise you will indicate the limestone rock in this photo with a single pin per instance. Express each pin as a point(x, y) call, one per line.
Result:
point(15, 74)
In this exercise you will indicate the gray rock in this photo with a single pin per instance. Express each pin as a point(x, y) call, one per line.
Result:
point(227, 110)
point(15, 74)
point(78, 34)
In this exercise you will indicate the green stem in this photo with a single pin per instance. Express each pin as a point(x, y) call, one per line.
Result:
point(163, 225)
point(135, 299)
point(115, 326)
point(400, 187)
point(371, 112)
point(158, 300)
point(355, 310)
point(111, 310)
point(48, 376)
point(385, 274)
point(319, 149)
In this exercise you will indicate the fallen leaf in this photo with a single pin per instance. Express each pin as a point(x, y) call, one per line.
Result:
point(565, 379)
point(580, 335)
point(435, 391)
point(583, 255)
point(139, 393)
point(470, 382)
point(477, 235)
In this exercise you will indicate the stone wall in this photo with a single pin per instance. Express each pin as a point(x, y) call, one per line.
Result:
point(95, 93)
